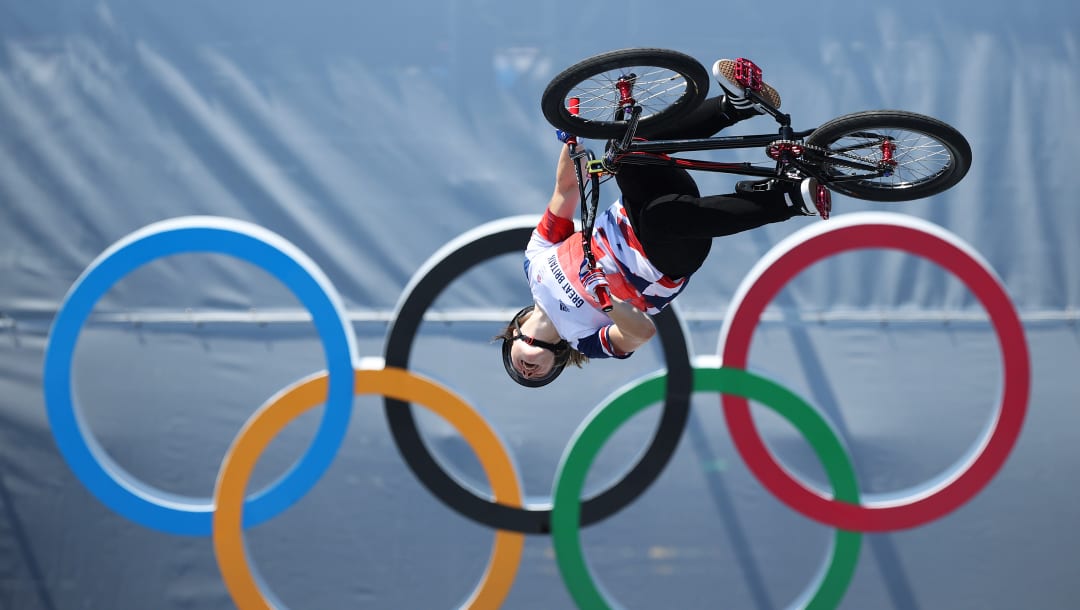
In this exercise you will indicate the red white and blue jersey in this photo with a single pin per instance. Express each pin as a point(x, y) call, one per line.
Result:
point(553, 263)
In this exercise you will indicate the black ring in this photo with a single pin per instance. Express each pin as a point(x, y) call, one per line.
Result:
point(486, 242)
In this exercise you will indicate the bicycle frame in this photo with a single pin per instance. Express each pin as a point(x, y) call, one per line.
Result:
point(873, 155)
point(641, 153)
point(785, 148)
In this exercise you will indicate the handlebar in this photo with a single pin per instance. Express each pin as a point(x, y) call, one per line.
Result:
point(603, 295)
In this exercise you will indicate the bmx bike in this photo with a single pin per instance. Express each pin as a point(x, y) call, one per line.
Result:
point(880, 155)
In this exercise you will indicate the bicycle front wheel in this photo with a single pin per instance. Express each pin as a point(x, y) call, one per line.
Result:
point(890, 155)
point(665, 84)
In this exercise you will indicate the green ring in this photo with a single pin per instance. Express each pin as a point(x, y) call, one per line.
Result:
point(604, 421)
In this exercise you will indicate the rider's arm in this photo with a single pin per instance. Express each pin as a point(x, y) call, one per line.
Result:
point(632, 327)
point(566, 197)
point(557, 224)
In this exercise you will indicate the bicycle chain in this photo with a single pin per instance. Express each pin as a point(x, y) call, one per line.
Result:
point(802, 144)
point(825, 151)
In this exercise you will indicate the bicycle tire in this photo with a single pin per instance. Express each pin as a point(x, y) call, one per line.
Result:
point(931, 156)
point(674, 83)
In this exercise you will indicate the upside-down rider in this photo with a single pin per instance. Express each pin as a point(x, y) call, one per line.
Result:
point(647, 244)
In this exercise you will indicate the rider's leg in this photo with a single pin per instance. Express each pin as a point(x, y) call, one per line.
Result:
point(676, 225)
point(688, 217)
point(664, 203)
point(676, 231)
point(709, 118)
point(641, 184)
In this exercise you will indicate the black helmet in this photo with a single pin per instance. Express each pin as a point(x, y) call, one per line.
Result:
point(560, 349)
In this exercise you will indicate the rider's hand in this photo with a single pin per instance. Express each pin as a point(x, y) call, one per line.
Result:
point(594, 280)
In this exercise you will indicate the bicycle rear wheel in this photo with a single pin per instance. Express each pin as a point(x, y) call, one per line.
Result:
point(666, 84)
point(922, 156)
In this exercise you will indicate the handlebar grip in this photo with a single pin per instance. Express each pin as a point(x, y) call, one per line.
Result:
point(604, 297)
point(573, 107)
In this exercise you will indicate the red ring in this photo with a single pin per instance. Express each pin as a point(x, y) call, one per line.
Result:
point(915, 237)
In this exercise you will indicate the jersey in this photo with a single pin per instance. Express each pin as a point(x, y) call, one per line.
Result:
point(553, 264)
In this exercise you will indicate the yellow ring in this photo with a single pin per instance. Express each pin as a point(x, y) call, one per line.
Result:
point(399, 384)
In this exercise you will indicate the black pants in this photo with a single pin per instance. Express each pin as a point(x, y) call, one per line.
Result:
point(674, 223)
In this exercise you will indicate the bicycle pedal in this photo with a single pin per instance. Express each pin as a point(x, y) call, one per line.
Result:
point(748, 74)
point(823, 201)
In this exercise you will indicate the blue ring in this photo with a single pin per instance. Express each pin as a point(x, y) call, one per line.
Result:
point(113, 485)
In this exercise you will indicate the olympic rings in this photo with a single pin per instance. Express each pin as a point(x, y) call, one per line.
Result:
point(106, 479)
point(602, 423)
point(879, 230)
point(225, 516)
point(486, 242)
point(299, 398)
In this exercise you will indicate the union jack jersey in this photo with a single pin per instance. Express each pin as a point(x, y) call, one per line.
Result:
point(553, 263)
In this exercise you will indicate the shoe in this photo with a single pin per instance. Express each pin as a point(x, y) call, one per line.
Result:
point(735, 75)
point(811, 191)
point(798, 195)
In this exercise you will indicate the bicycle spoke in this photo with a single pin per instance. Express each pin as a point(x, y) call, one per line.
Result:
point(654, 88)
point(918, 158)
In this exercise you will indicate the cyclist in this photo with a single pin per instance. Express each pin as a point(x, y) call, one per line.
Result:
point(646, 245)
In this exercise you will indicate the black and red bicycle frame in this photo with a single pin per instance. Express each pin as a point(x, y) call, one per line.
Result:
point(784, 147)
